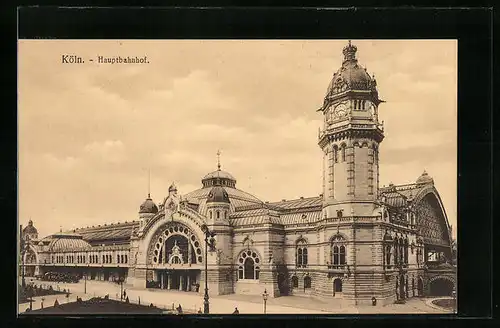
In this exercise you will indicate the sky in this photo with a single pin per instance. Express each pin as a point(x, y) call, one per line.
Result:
point(90, 133)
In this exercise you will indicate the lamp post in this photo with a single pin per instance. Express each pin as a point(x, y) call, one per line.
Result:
point(120, 281)
point(264, 297)
point(454, 295)
point(209, 242)
point(85, 280)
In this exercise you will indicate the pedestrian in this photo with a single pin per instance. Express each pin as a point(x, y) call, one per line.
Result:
point(124, 294)
point(236, 311)
point(199, 311)
point(56, 303)
point(179, 309)
point(127, 300)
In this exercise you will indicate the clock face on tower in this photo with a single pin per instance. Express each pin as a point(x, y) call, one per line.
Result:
point(340, 110)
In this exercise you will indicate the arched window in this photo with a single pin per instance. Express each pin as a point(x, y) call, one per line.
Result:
point(295, 282)
point(338, 251)
point(301, 257)
point(307, 282)
point(126, 258)
point(248, 265)
point(388, 256)
point(225, 214)
point(342, 153)
point(218, 215)
point(335, 154)
point(210, 213)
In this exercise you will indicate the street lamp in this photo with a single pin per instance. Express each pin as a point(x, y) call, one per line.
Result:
point(120, 281)
point(209, 242)
point(454, 295)
point(85, 280)
point(264, 297)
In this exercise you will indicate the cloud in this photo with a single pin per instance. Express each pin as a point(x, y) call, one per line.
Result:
point(109, 151)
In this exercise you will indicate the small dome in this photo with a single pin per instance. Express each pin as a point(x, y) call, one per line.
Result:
point(219, 178)
point(218, 195)
point(219, 174)
point(30, 229)
point(172, 187)
point(424, 179)
point(148, 206)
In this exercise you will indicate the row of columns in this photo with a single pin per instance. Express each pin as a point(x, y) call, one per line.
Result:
point(168, 283)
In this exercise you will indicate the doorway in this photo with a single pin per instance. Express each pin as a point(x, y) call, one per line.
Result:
point(337, 287)
point(420, 287)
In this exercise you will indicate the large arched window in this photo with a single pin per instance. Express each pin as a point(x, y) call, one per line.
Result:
point(307, 282)
point(295, 282)
point(301, 254)
point(335, 154)
point(218, 214)
point(338, 250)
point(248, 265)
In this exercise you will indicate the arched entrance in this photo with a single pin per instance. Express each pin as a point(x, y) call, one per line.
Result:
point(337, 287)
point(441, 287)
point(176, 252)
point(420, 287)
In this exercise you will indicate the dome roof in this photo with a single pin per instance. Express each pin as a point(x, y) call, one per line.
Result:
point(218, 195)
point(148, 206)
point(172, 187)
point(63, 243)
point(30, 229)
point(219, 174)
point(351, 76)
point(425, 178)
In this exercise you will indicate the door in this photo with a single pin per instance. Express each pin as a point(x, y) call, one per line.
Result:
point(337, 287)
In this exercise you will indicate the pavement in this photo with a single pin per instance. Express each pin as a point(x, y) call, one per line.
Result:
point(246, 304)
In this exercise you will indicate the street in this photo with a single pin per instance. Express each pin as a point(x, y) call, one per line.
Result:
point(246, 304)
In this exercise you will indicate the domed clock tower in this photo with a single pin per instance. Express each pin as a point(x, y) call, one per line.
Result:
point(350, 139)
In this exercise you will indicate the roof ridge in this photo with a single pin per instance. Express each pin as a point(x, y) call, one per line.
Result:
point(295, 199)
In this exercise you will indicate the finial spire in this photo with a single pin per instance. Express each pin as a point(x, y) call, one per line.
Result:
point(149, 183)
point(349, 52)
point(218, 160)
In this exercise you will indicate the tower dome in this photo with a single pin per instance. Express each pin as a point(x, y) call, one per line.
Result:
point(218, 177)
point(172, 187)
point(218, 195)
point(148, 206)
point(30, 229)
point(425, 178)
point(351, 75)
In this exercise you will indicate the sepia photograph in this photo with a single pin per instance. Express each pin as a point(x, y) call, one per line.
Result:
point(197, 177)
